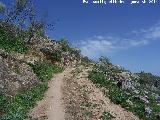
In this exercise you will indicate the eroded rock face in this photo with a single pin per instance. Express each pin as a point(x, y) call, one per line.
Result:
point(15, 75)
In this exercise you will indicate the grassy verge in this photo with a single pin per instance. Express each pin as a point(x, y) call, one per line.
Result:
point(18, 107)
point(44, 70)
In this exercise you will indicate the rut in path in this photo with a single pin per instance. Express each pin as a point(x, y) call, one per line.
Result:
point(51, 107)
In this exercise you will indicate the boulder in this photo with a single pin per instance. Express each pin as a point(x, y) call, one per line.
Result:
point(128, 85)
point(148, 111)
point(158, 99)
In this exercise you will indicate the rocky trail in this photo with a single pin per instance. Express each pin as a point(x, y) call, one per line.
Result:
point(71, 96)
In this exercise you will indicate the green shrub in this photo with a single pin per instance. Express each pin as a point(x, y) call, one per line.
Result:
point(86, 61)
point(11, 44)
point(44, 70)
point(98, 78)
point(3, 103)
point(106, 116)
point(64, 44)
point(117, 95)
point(56, 56)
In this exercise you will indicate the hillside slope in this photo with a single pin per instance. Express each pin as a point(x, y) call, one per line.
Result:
point(91, 91)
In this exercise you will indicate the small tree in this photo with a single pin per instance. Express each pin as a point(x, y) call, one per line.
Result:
point(2, 8)
point(104, 60)
point(64, 43)
point(18, 17)
point(22, 15)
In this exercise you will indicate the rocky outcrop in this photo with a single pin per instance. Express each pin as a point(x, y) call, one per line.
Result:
point(59, 53)
point(123, 78)
point(15, 75)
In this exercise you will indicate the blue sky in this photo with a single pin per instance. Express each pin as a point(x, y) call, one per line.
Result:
point(128, 34)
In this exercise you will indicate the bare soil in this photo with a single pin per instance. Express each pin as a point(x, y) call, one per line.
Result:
point(51, 107)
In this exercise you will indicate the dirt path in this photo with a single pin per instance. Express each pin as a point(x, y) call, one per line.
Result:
point(71, 96)
point(51, 107)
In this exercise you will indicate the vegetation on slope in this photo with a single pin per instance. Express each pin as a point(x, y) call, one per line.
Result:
point(149, 79)
point(18, 107)
point(17, 39)
point(44, 70)
point(10, 44)
point(116, 94)
point(148, 109)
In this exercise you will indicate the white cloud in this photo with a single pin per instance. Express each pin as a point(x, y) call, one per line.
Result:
point(154, 32)
point(138, 43)
point(150, 33)
point(97, 46)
